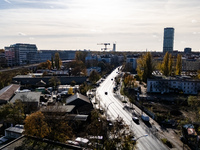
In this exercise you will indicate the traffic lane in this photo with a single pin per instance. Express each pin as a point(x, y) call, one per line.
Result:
point(117, 110)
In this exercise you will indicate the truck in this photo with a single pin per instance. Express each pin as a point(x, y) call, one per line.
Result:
point(145, 118)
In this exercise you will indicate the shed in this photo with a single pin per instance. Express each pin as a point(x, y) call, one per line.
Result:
point(14, 132)
point(7, 92)
point(82, 103)
point(30, 99)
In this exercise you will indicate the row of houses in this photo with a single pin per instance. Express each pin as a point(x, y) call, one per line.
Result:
point(173, 84)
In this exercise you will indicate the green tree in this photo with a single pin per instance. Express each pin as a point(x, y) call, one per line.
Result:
point(60, 129)
point(80, 56)
point(52, 62)
point(12, 113)
point(78, 67)
point(94, 76)
point(145, 67)
point(58, 62)
point(36, 126)
point(54, 81)
point(178, 64)
point(167, 64)
point(129, 81)
point(73, 83)
point(198, 72)
point(170, 66)
point(84, 88)
point(194, 103)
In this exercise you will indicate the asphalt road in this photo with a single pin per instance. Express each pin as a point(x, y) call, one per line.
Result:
point(114, 107)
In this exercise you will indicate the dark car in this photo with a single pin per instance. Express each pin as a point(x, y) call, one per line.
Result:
point(106, 93)
point(136, 120)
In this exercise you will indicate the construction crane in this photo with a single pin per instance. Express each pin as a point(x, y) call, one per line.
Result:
point(105, 45)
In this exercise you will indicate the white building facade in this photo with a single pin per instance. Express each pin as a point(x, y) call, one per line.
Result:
point(187, 86)
point(133, 61)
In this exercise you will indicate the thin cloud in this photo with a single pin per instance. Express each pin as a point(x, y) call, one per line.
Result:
point(129, 22)
point(7, 1)
point(194, 21)
point(21, 34)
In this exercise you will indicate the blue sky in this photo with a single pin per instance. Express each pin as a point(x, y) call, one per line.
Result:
point(135, 25)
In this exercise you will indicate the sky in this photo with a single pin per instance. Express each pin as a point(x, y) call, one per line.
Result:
point(134, 25)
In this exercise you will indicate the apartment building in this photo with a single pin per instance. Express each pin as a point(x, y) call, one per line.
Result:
point(171, 84)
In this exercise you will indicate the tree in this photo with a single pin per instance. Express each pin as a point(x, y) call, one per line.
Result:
point(194, 103)
point(54, 81)
point(73, 83)
point(78, 67)
point(36, 126)
point(60, 129)
point(84, 88)
point(167, 64)
point(129, 81)
point(145, 67)
point(58, 62)
point(198, 72)
point(80, 56)
point(178, 64)
point(52, 62)
point(12, 113)
point(45, 65)
point(94, 76)
point(170, 64)
point(128, 67)
point(70, 91)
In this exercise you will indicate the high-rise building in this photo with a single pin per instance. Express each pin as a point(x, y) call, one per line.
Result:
point(114, 47)
point(21, 53)
point(168, 41)
point(187, 50)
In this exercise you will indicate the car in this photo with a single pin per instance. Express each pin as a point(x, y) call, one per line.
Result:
point(136, 120)
point(106, 93)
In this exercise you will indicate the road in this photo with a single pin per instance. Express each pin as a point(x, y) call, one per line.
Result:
point(114, 109)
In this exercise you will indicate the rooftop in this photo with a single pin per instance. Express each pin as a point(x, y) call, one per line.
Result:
point(27, 97)
point(67, 108)
point(7, 92)
point(26, 142)
point(76, 96)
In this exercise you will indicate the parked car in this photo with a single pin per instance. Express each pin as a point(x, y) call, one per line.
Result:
point(145, 118)
point(136, 120)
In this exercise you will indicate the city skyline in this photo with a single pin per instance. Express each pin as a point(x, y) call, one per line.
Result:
point(74, 24)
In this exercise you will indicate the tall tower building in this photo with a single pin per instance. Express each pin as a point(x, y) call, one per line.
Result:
point(114, 47)
point(168, 41)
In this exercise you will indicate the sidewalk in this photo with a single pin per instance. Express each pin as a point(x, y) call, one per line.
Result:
point(156, 130)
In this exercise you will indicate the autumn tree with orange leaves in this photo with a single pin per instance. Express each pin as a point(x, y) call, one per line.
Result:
point(45, 65)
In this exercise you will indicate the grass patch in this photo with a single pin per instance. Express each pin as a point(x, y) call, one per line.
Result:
point(166, 142)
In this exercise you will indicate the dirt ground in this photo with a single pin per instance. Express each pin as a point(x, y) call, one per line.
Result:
point(170, 106)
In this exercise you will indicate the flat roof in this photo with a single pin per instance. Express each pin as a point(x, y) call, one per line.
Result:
point(15, 129)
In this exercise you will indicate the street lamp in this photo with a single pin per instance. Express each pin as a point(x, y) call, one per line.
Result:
point(135, 139)
point(107, 109)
